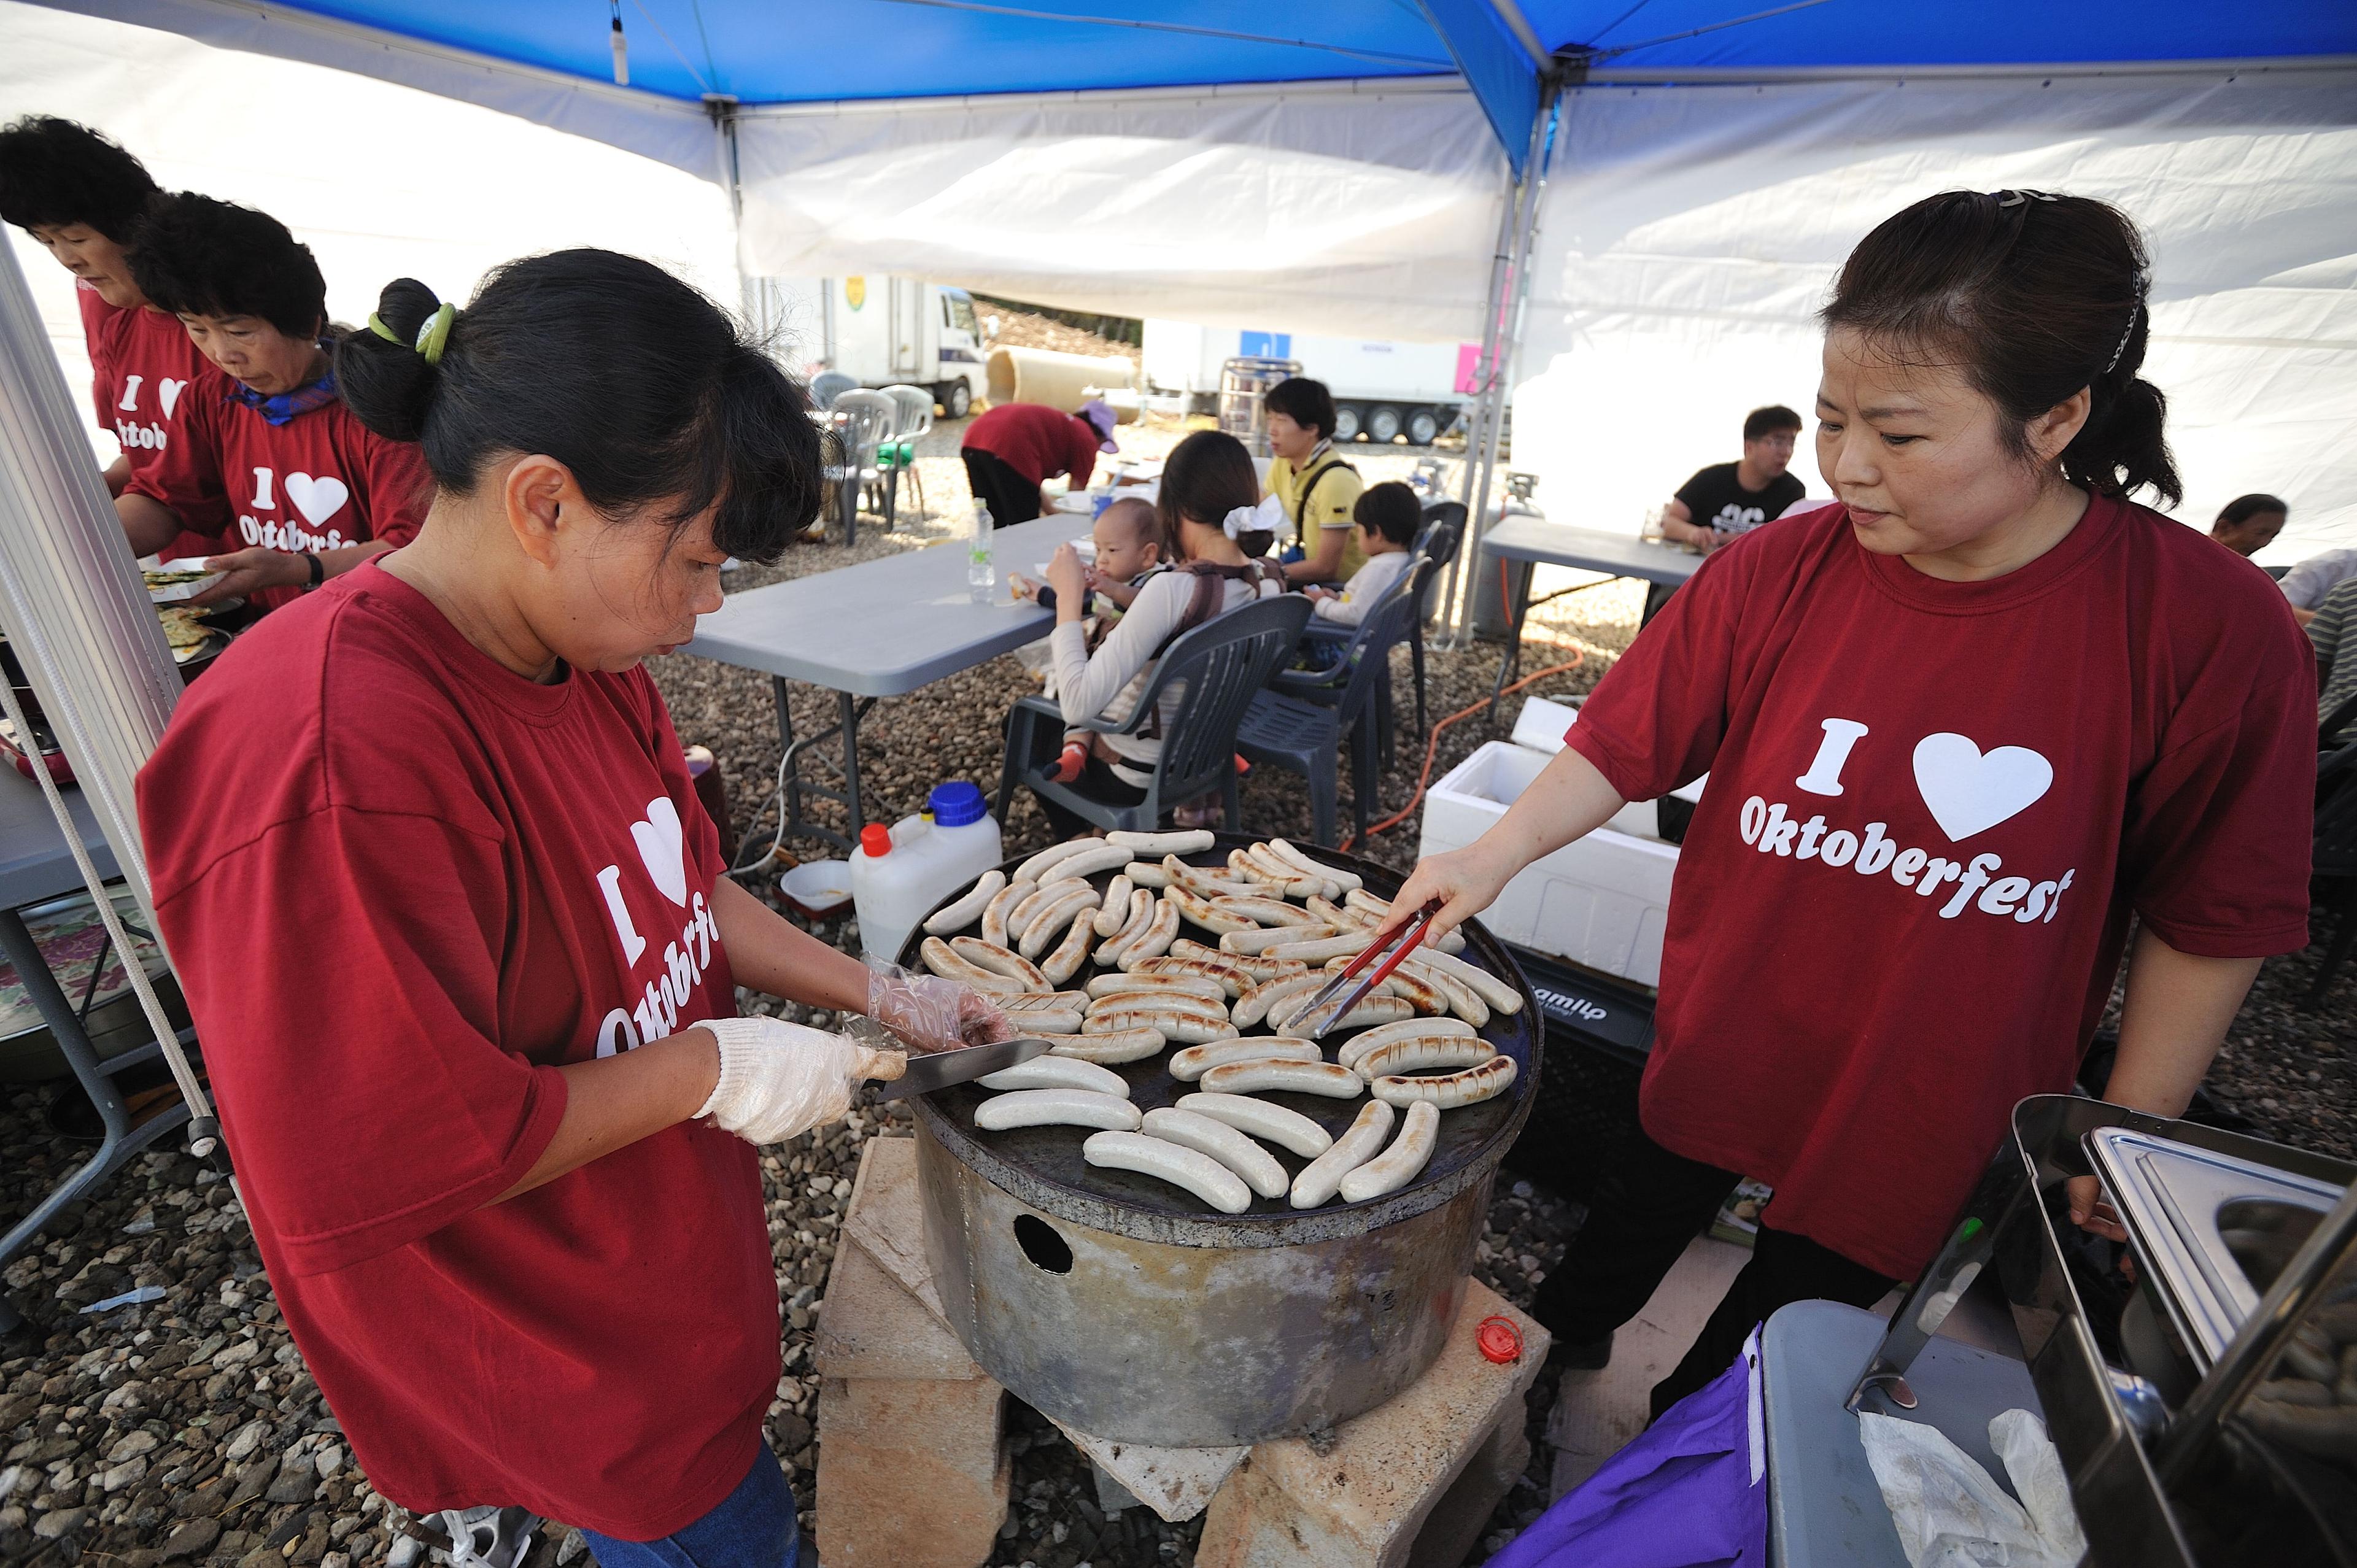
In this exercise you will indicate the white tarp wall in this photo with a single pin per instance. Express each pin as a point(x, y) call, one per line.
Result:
point(1690, 233)
point(1357, 208)
point(381, 181)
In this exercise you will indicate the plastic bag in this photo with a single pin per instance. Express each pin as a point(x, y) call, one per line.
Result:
point(1949, 1513)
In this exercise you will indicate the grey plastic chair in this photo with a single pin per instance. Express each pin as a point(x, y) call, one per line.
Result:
point(828, 385)
point(916, 405)
point(1291, 727)
point(1224, 663)
point(867, 420)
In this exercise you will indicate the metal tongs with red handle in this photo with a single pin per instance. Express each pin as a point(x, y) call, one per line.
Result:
point(1347, 990)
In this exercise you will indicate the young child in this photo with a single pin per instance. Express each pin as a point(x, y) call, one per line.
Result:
point(1387, 516)
point(1128, 537)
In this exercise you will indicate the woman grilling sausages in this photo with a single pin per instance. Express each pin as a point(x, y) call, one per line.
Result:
point(457, 932)
point(1960, 726)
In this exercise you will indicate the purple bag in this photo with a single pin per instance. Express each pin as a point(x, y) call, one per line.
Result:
point(1691, 1492)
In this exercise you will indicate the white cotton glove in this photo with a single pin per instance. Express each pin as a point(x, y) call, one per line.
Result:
point(778, 1079)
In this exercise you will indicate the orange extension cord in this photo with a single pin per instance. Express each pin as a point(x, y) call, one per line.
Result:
point(1432, 747)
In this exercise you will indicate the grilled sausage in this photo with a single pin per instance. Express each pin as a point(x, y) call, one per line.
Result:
point(1128, 1046)
point(1050, 918)
point(1114, 913)
point(1186, 841)
point(944, 961)
point(1054, 1108)
point(1223, 1142)
point(1192, 1063)
point(1397, 1165)
point(1322, 1177)
point(1284, 1078)
point(1000, 961)
point(1142, 905)
point(1454, 1090)
point(1205, 913)
point(1273, 1124)
point(1264, 911)
point(1154, 940)
point(1253, 1009)
point(1358, 1045)
point(1058, 1072)
point(1180, 1166)
point(1230, 978)
point(1422, 1053)
point(1372, 1010)
point(1073, 951)
point(1265, 941)
point(957, 917)
point(1262, 970)
point(1001, 904)
point(1310, 865)
point(1158, 980)
point(1181, 1026)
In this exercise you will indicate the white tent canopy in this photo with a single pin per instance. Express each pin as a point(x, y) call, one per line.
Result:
point(1690, 233)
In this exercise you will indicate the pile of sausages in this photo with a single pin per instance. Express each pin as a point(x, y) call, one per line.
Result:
point(1284, 923)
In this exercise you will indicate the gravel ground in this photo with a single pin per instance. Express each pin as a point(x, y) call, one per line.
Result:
point(186, 1430)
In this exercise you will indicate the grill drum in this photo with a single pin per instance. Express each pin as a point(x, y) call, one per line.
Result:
point(1125, 1309)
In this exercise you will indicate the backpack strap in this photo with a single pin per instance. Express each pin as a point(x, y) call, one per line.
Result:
point(1308, 483)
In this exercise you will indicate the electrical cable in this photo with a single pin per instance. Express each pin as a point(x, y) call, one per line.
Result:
point(1432, 747)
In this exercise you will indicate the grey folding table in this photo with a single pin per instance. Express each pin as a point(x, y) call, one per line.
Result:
point(36, 867)
point(881, 629)
point(1534, 541)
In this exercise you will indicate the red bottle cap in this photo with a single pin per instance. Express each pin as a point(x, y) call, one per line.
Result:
point(1500, 1340)
point(875, 838)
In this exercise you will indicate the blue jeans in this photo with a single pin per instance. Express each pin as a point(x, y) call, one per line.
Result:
point(754, 1527)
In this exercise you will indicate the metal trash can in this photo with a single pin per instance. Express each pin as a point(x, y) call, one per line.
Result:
point(1242, 381)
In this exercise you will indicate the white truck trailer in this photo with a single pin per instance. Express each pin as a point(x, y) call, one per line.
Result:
point(1382, 390)
point(881, 332)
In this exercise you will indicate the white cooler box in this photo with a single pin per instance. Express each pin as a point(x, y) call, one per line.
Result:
point(1604, 901)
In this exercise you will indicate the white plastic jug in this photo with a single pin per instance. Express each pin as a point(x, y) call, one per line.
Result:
point(899, 872)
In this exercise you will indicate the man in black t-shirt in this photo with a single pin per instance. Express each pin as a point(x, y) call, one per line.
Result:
point(1728, 499)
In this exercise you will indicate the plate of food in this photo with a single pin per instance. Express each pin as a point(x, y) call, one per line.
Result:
point(190, 638)
point(176, 581)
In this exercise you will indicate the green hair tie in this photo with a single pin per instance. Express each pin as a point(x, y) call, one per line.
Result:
point(377, 325)
point(435, 333)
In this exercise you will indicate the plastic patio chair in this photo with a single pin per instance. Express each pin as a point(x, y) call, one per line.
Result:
point(899, 455)
point(828, 385)
point(1444, 531)
point(867, 420)
point(1224, 663)
point(1289, 728)
point(2336, 853)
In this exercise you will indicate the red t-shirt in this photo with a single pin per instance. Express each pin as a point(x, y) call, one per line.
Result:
point(1037, 442)
point(1932, 807)
point(437, 881)
point(145, 376)
point(320, 481)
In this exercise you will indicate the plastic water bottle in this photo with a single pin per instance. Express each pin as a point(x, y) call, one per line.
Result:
point(980, 570)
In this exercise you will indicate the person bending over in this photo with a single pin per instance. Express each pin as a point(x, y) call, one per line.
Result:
point(1387, 517)
point(80, 195)
point(1011, 450)
point(316, 492)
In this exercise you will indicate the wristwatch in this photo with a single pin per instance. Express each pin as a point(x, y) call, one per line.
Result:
point(318, 572)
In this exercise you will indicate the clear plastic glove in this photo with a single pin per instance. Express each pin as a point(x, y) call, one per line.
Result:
point(932, 1013)
point(778, 1079)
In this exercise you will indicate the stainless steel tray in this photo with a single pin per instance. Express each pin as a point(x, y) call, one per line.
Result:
point(2170, 1197)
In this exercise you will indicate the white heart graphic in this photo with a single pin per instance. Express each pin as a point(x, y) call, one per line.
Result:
point(318, 498)
point(167, 392)
point(662, 847)
point(1969, 790)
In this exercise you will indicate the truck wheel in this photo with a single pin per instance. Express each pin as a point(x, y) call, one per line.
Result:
point(957, 398)
point(1382, 424)
point(1423, 428)
point(1347, 420)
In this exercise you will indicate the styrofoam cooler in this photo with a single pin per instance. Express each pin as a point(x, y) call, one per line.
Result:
point(1603, 901)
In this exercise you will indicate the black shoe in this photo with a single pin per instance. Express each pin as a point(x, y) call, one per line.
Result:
point(1593, 1356)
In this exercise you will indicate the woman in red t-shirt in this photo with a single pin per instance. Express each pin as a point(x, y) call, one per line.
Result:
point(313, 491)
point(462, 943)
point(1959, 727)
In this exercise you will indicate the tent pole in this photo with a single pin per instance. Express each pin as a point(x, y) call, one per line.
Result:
point(723, 108)
point(79, 621)
point(1509, 285)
